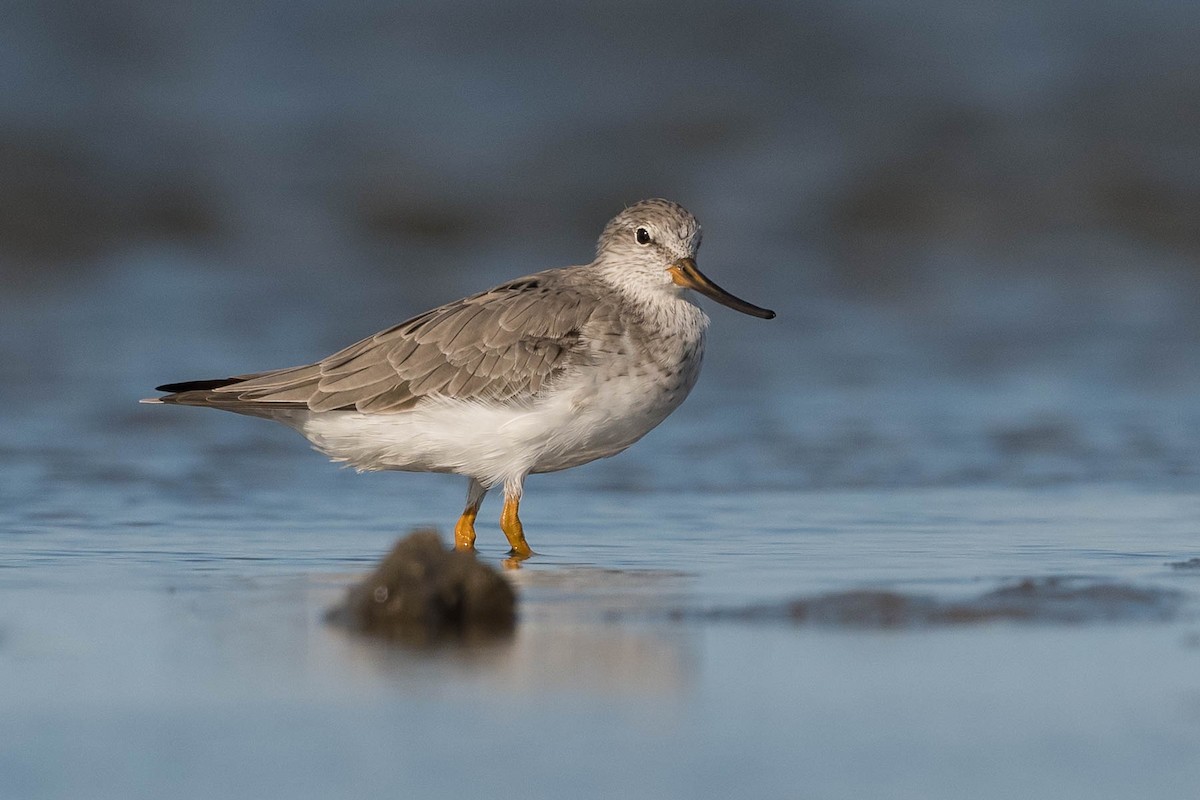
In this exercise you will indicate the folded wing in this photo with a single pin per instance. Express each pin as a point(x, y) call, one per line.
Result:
point(501, 345)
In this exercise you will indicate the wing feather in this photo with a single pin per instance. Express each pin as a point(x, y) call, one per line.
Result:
point(433, 381)
point(506, 343)
point(396, 398)
point(273, 380)
point(367, 376)
point(301, 393)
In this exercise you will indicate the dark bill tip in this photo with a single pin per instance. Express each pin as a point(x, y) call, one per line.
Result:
point(685, 273)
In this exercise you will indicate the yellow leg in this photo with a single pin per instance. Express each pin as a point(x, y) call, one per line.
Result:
point(464, 529)
point(510, 523)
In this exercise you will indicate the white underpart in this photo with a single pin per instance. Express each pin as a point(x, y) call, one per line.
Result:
point(591, 414)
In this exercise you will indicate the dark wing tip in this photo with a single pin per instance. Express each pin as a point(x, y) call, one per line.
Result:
point(195, 386)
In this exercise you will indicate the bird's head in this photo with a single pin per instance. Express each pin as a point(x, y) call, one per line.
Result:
point(651, 247)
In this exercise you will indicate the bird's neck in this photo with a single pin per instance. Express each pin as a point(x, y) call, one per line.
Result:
point(665, 310)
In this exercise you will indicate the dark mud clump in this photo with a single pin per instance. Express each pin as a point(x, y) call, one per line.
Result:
point(1034, 600)
point(423, 592)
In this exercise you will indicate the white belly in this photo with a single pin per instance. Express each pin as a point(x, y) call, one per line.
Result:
point(581, 420)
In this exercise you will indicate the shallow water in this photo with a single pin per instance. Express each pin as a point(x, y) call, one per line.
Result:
point(161, 632)
point(978, 227)
point(164, 573)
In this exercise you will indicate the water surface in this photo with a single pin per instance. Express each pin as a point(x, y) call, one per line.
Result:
point(978, 226)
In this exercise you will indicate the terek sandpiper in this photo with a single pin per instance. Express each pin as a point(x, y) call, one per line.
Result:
point(542, 373)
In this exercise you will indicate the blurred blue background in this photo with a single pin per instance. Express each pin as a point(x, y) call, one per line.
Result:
point(978, 221)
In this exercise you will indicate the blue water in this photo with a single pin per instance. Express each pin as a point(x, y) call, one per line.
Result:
point(164, 573)
point(977, 225)
point(188, 655)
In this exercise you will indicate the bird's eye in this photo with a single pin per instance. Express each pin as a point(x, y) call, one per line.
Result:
point(642, 235)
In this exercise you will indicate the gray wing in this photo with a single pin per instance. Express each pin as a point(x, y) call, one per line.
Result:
point(507, 343)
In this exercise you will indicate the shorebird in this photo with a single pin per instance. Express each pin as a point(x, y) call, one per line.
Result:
point(539, 374)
